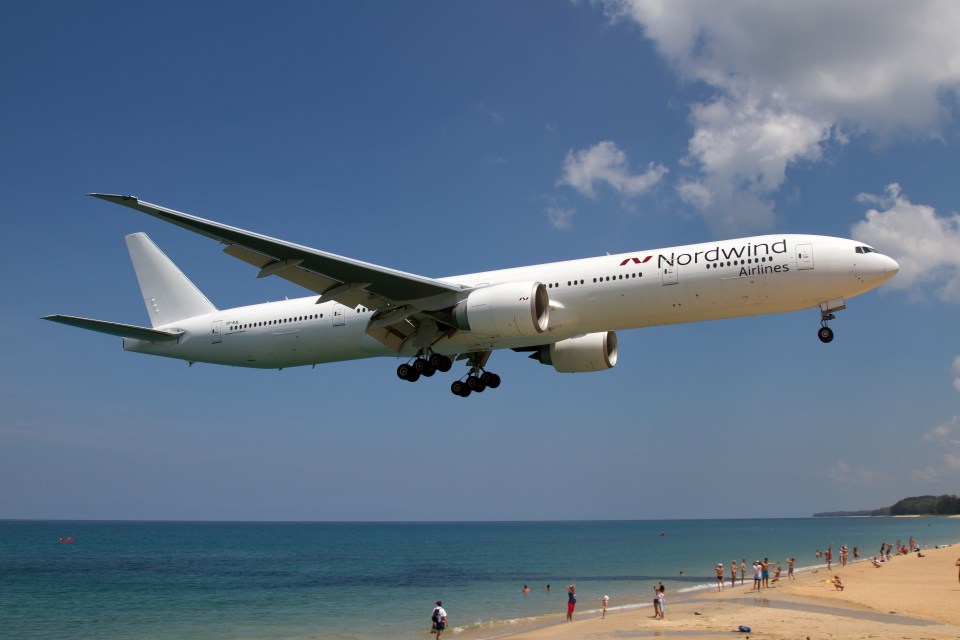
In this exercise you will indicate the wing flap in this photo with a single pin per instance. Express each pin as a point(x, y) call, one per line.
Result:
point(118, 329)
point(295, 273)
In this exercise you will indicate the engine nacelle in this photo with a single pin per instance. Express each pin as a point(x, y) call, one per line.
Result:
point(508, 310)
point(592, 352)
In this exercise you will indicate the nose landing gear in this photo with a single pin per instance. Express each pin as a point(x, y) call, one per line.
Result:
point(825, 333)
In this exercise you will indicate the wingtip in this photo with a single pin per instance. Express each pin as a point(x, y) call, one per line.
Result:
point(113, 197)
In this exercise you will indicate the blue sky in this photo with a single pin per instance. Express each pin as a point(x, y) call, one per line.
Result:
point(443, 138)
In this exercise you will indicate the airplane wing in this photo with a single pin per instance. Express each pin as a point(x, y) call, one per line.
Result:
point(116, 328)
point(348, 281)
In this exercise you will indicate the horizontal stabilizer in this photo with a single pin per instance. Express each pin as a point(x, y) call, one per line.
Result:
point(116, 328)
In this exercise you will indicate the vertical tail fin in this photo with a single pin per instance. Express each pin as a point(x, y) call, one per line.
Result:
point(168, 294)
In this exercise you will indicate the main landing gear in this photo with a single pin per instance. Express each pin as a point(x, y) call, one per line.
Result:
point(424, 366)
point(476, 380)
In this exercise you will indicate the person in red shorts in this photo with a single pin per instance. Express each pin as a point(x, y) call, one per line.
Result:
point(571, 601)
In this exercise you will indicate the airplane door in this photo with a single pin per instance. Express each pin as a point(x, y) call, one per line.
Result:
point(670, 275)
point(339, 315)
point(804, 256)
point(215, 332)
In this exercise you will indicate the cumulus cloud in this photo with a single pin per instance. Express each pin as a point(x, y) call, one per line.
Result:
point(791, 78)
point(843, 473)
point(926, 245)
point(946, 439)
point(605, 162)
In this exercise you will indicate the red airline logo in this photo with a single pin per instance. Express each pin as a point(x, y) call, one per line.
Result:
point(635, 261)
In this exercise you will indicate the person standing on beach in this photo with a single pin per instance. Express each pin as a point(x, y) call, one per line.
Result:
point(958, 571)
point(733, 574)
point(829, 556)
point(439, 618)
point(661, 596)
point(571, 601)
point(765, 571)
point(719, 577)
point(743, 570)
point(790, 562)
point(757, 574)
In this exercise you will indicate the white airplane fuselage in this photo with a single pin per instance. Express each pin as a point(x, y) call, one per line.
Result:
point(709, 281)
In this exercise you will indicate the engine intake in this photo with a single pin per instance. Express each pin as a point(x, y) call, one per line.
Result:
point(508, 310)
point(592, 352)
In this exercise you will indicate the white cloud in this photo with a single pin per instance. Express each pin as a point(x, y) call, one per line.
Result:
point(605, 162)
point(843, 473)
point(946, 434)
point(792, 77)
point(926, 245)
point(946, 441)
point(560, 217)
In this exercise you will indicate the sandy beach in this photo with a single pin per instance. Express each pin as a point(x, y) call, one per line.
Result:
point(909, 597)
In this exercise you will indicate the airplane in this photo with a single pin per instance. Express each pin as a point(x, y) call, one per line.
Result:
point(564, 314)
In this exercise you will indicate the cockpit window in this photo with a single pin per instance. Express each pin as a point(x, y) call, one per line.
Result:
point(865, 249)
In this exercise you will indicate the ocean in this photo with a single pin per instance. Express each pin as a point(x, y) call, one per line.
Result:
point(248, 580)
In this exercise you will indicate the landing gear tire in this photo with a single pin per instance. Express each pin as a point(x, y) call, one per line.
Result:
point(475, 384)
point(440, 363)
point(423, 367)
point(490, 380)
point(825, 334)
point(459, 388)
point(404, 371)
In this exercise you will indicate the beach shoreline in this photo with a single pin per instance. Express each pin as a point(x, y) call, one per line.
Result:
point(910, 596)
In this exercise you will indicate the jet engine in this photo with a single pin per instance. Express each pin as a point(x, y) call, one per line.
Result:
point(592, 352)
point(508, 310)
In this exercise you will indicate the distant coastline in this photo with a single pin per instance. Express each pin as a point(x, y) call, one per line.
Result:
point(945, 505)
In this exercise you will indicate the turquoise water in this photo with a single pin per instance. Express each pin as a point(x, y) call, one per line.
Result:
point(377, 580)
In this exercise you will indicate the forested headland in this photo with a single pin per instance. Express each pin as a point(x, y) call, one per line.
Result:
point(945, 505)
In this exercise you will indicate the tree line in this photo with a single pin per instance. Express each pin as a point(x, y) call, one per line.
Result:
point(945, 505)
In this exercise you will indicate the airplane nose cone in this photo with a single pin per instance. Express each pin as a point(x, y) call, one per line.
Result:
point(891, 267)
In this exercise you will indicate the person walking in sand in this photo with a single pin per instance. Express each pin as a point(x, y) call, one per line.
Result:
point(439, 618)
point(790, 562)
point(571, 601)
point(604, 601)
point(719, 577)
